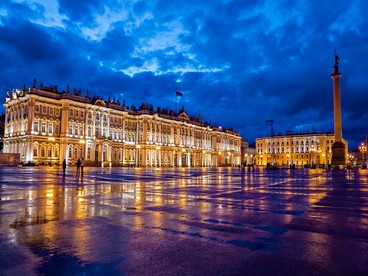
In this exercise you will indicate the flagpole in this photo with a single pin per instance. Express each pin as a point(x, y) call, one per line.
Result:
point(177, 94)
point(176, 105)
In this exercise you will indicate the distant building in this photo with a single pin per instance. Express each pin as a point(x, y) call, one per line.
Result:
point(45, 126)
point(248, 153)
point(295, 149)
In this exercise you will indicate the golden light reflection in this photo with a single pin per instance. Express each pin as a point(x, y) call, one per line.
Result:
point(186, 195)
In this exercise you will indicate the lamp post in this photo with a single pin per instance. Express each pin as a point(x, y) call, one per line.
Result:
point(51, 139)
point(311, 154)
point(363, 149)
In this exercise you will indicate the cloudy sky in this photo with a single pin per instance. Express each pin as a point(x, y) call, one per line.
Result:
point(237, 63)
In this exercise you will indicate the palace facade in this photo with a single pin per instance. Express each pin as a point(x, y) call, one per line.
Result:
point(296, 149)
point(46, 126)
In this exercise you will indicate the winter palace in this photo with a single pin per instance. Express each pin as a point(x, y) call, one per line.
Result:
point(46, 126)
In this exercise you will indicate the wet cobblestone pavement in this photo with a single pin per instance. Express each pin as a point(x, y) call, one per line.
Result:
point(180, 221)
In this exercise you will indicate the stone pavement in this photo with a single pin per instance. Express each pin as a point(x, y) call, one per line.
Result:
point(180, 221)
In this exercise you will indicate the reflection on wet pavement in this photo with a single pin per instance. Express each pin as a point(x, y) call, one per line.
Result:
point(183, 221)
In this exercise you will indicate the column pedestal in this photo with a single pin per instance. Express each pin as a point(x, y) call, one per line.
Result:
point(338, 154)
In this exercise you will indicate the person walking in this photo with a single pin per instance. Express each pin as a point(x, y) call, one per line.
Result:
point(82, 166)
point(78, 168)
point(64, 167)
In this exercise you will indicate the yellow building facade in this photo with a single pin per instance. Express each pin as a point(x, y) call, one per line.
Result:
point(46, 126)
point(295, 149)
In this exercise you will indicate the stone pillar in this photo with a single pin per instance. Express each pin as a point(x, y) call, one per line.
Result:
point(172, 156)
point(30, 118)
point(338, 147)
point(136, 157)
point(94, 125)
point(64, 120)
point(179, 159)
point(63, 150)
point(29, 149)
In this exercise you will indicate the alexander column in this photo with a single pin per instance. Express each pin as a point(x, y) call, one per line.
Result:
point(338, 147)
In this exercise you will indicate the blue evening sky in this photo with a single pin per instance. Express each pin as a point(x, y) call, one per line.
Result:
point(237, 63)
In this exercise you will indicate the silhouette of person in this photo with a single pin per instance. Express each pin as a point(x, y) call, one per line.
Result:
point(78, 168)
point(82, 166)
point(64, 167)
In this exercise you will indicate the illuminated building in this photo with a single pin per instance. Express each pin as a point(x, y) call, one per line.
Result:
point(248, 154)
point(45, 126)
point(296, 149)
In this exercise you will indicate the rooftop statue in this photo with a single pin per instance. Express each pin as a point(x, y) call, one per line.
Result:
point(337, 59)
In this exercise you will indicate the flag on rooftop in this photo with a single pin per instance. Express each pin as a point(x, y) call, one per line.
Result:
point(178, 93)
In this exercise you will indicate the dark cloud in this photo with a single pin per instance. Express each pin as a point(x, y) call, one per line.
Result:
point(27, 41)
point(238, 63)
point(82, 11)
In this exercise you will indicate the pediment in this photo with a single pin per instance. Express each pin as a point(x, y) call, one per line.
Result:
point(184, 116)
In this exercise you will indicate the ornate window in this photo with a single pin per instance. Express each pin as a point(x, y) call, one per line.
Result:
point(51, 128)
point(43, 127)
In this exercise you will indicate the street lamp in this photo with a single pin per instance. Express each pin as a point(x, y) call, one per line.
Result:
point(311, 154)
point(51, 139)
point(363, 149)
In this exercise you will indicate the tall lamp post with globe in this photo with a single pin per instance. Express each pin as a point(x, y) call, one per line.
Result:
point(363, 149)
